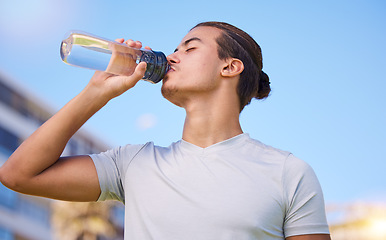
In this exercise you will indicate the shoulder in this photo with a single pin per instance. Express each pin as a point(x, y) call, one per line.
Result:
point(146, 152)
point(266, 148)
point(296, 168)
point(290, 168)
point(147, 148)
point(266, 152)
point(118, 157)
point(130, 151)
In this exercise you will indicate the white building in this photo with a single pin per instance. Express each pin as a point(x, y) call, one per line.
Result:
point(25, 217)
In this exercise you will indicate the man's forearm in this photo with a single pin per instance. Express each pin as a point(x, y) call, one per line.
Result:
point(34, 167)
point(44, 147)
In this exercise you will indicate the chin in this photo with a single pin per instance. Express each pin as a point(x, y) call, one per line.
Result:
point(171, 93)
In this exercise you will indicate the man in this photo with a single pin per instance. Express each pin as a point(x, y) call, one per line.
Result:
point(216, 183)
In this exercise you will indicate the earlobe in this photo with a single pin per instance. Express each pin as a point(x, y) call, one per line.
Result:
point(233, 68)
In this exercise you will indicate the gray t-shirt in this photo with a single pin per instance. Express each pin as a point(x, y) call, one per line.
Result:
point(236, 189)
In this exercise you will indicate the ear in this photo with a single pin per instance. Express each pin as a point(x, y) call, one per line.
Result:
point(232, 68)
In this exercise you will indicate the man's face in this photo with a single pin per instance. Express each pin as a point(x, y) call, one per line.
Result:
point(195, 66)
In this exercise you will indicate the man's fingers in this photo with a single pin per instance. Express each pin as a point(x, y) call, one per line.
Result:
point(136, 76)
point(120, 40)
point(140, 69)
point(133, 44)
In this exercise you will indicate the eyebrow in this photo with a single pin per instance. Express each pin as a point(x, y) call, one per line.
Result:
point(188, 41)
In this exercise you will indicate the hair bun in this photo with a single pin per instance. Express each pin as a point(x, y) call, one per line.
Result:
point(264, 86)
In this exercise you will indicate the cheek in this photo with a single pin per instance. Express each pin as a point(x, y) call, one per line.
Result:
point(208, 70)
point(206, 65)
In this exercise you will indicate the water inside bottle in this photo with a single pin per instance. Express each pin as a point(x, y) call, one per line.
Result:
point(88, 51)
point(87, 57)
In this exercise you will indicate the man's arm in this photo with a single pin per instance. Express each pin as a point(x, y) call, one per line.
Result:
point(310, 237)
point(36, 167)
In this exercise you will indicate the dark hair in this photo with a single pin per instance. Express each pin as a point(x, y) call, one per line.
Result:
point(235, 43)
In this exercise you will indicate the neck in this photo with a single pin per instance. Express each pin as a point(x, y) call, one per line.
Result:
point(209, 122)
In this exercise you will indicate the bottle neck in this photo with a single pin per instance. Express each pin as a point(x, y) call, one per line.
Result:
point(157, 65)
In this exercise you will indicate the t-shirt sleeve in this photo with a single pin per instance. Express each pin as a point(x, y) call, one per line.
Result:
point(111, 169)
point(305, 209)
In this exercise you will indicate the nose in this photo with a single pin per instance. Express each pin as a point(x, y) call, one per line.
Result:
point(172, 58)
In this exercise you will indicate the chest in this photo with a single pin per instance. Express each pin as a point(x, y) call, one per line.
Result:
point(205, 192)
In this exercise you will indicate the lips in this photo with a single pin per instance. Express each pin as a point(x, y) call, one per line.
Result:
point(171, 69)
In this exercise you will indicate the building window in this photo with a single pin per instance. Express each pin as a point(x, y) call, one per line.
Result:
point(22, 105)
point(8, 141)
point(5, 94)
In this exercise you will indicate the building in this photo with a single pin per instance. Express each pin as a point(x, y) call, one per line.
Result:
point(25, 217)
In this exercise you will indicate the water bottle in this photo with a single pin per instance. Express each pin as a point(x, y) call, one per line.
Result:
point(89, 51)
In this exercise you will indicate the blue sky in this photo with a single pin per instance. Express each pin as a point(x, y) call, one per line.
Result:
point(325, 61)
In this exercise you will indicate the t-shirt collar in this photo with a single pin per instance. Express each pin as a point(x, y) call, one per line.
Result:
point(226, 144)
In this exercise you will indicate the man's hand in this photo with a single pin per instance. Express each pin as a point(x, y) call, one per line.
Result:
point(111, 85)
point(123, 57)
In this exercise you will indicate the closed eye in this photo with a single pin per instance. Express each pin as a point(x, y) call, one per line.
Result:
point(190, 49)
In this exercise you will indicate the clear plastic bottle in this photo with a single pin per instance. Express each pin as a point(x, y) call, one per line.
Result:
point(89, 51)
